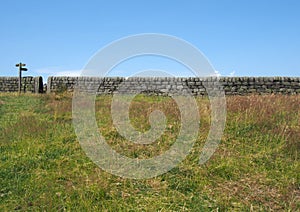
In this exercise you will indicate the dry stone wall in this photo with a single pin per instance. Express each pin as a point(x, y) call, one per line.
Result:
point(161, 85)
point(29, 84)
point(156, 85)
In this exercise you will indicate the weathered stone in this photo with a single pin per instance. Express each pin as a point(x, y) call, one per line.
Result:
point(157, 85)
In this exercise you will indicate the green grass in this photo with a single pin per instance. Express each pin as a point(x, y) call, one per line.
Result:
point(255, 168)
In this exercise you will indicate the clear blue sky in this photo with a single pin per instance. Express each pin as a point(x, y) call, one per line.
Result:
point(239, 37)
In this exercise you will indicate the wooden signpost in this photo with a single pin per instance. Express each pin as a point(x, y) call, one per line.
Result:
point(21, 68)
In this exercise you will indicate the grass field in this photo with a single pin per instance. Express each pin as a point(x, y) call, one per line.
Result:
point(256, 166)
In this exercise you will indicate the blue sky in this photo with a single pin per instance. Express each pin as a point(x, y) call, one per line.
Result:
point(239, 37)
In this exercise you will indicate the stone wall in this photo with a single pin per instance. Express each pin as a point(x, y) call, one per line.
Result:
point(29, 84)
point(156, 85)
point(160, 85)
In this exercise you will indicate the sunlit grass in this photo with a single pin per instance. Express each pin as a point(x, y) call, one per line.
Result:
point(256, 167)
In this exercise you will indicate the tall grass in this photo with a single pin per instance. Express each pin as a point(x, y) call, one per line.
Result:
point(256, 167)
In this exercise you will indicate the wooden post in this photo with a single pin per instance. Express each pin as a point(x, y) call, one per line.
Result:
point(21, 68)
